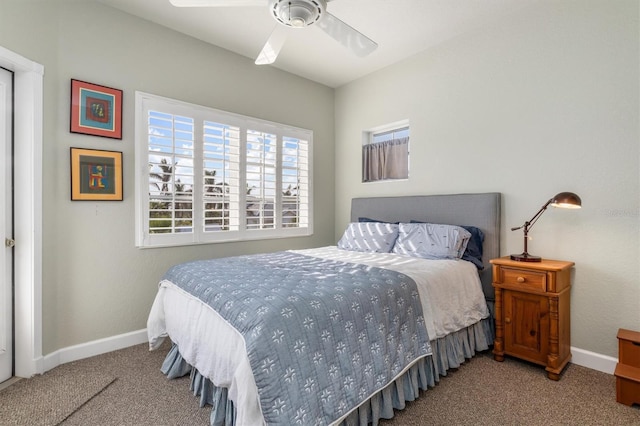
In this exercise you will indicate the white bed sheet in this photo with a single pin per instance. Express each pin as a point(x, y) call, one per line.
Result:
point(450, 294)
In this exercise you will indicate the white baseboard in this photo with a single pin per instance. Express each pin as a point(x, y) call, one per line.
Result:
point(594, 361)
point(581, 357)
point(96, 347)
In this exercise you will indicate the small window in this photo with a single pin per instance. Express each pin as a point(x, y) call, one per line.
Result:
point(385, 153)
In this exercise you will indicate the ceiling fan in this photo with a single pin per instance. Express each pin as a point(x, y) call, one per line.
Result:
point(295, 14)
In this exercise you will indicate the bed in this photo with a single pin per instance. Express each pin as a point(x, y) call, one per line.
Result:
point(340, 334)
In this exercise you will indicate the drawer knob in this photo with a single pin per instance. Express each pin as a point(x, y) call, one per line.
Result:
point(520, 279)
point(507, 320)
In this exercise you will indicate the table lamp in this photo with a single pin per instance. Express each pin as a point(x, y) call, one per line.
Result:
point(566, 200)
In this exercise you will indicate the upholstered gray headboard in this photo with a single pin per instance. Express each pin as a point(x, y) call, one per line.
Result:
point(480, 210)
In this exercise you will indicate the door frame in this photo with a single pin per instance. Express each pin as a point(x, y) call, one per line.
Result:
point(6, 226)
point(28, 122)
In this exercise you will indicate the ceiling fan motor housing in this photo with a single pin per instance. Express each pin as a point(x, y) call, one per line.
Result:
point(297, 13)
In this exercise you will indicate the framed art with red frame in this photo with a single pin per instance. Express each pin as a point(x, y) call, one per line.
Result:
point(96, 110)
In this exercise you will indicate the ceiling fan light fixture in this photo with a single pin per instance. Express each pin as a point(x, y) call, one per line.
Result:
point(297, 22)
point(297, 13)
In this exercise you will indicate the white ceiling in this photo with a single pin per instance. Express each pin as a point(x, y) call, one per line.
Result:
point(401, 28)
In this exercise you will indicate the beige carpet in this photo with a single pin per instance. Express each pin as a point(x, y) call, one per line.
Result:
point(51, 398)
point(483, 392)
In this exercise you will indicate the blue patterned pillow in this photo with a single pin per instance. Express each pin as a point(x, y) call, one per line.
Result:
point(473, 253)
point(375, 237)
point(431, 241)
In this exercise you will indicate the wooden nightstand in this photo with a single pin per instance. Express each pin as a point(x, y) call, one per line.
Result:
point(533, 312)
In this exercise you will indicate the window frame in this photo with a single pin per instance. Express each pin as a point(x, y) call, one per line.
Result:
point(144, 239)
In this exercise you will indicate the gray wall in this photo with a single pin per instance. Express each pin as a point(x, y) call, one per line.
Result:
point(542, 102)
point(96, 284)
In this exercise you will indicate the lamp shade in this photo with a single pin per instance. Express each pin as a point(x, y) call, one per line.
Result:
point(566, 200)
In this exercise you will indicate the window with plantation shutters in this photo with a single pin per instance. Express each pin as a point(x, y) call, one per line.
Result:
point(205, 175)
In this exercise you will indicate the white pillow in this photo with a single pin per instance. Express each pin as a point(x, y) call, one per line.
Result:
point(375, 237)
point(431, 241)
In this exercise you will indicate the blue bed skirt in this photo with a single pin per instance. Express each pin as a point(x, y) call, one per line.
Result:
point(448, 352)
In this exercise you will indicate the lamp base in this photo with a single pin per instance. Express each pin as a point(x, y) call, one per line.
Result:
point(526, 257)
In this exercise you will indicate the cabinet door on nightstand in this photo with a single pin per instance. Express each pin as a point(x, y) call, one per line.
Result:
point(526, 325)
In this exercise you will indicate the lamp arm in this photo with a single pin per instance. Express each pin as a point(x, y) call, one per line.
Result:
point(535, 218)
point(528, 224)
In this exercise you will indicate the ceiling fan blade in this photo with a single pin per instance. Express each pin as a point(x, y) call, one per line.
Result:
point(272, 47)
point(216, 3)
point(358, 43)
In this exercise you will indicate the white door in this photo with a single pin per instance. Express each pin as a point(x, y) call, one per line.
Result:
point(6, 226)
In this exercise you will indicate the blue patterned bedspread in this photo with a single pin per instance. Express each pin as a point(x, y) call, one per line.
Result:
point(322, 336)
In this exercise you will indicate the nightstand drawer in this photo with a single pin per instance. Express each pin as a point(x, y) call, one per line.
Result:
point(526, 280)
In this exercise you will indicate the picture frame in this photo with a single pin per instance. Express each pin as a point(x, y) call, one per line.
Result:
point(96, 175)
point(95, 110)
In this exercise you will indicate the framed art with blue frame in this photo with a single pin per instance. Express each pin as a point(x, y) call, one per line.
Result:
point(96, 110)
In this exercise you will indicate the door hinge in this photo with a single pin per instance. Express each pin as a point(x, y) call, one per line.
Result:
point(9, 242)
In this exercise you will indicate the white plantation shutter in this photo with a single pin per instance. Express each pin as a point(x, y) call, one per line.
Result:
point(205, 175)
point(262, 152)
point(170, 159)
point(295, 178)
point(221, 177)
